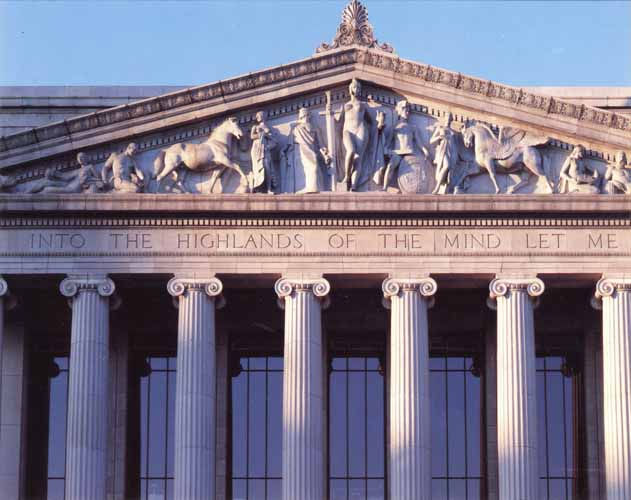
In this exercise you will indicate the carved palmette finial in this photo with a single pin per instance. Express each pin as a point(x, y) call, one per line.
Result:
point(355, 30)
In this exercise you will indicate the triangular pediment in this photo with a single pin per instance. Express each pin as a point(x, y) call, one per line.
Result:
point(190, 114)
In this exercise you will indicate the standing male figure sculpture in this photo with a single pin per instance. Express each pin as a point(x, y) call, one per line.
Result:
point(404, 136)
point(263, 142)
point(126, 175)
point(358, 131)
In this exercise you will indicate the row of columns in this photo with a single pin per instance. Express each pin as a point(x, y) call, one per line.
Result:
point(303, 300)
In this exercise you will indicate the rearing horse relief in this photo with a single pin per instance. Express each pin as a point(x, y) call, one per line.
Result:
point(214, 154)
point(513, 151)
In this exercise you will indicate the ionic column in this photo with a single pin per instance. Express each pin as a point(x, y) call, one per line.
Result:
point(613, 295)
point(303, 392)
point(514, 299)
point(194, 466)
point(4, 290)
point(86, 435)
point(409, 404)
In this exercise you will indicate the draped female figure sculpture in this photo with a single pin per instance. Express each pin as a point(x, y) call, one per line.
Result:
point(304, 158)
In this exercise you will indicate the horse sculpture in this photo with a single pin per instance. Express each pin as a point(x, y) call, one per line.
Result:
point(214, 154)
point(512, 151)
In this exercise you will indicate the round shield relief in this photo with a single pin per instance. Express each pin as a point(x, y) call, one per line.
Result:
point(415, 174)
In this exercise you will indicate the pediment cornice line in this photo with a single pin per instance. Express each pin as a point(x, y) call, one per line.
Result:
point(585, 122)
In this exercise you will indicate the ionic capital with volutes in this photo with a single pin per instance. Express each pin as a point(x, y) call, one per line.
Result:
point(425, 286)
point(4, 287)
point(210, 285)
point(286, 287)
point(502, 286)
point(75, 283)
point(609, 287)
point(8, 299)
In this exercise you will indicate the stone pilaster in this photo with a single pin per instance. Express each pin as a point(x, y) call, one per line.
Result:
point(86, 435)
point(515, 300)
point(613, 295)
point(410, 425)
point(303, 389)
point(195, 398)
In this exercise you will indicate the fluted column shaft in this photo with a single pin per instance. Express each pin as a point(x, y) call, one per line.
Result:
point(86, 434)
point(194, 465)
point(303, 392)
point(516, 387)
point(614, 296)
point(409, 403)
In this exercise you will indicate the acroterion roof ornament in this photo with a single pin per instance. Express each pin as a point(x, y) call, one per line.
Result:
point(355, 30)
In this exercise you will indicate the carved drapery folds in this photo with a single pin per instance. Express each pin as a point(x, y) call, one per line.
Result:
point(613, 296)
point(515, 300)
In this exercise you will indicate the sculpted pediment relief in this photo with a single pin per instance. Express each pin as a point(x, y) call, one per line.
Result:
point(353, 117)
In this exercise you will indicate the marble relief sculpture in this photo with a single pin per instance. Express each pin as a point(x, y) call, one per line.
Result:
point(577, 176)
point(264, 142)
point(445, 155)
point(359, 140)
point(617, 178)
point(512, 151)
point(305, 159)
point(84, 180)
point(404, 143)
point(216, 155)
point(126, 176)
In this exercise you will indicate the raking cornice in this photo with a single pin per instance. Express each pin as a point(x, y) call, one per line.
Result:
point(321, 71)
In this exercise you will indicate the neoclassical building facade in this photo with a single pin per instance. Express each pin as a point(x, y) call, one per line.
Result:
point(350, 277)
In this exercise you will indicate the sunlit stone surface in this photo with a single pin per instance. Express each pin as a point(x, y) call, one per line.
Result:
point(86, 439)
point(410, 430)
point(195, 387)
point(516, 386)
point(614, 296)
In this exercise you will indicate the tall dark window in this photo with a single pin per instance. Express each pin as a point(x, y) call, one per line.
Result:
point(157, 418)
point(455, 393)
point(257, 437)
point(58, 409)
point(557, 428)
point(356, 429)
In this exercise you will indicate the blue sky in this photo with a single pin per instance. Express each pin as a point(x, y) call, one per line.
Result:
point(190, 43)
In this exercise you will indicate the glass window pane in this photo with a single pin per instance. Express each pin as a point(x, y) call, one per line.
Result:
point(239, 425)
point(376, 489)
point(337, 424)
point(256, 489)
point(474, 489)
point(569, 426)
point(375, 420)
point(457, 489)
point(274, 489)
point(556, 419)
point(439, 423)
point(256, 424)
point(356, 363)
point(275, 363)
point(357, 431)
point(557, 489)
point(439, 489)
point(337, 489)
point(439, 363)
point(275, 424)
point(357, 489)
point(156, 489)
point(239, 489)
point(144, 424)
point(372, 364)
point(455, 423)
point(455, 364)
point(338, 363)
point(57, 425)
point(158, 363)
point(474, 427)
point(258, 363)
point(157, 424)
point(542, 435)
